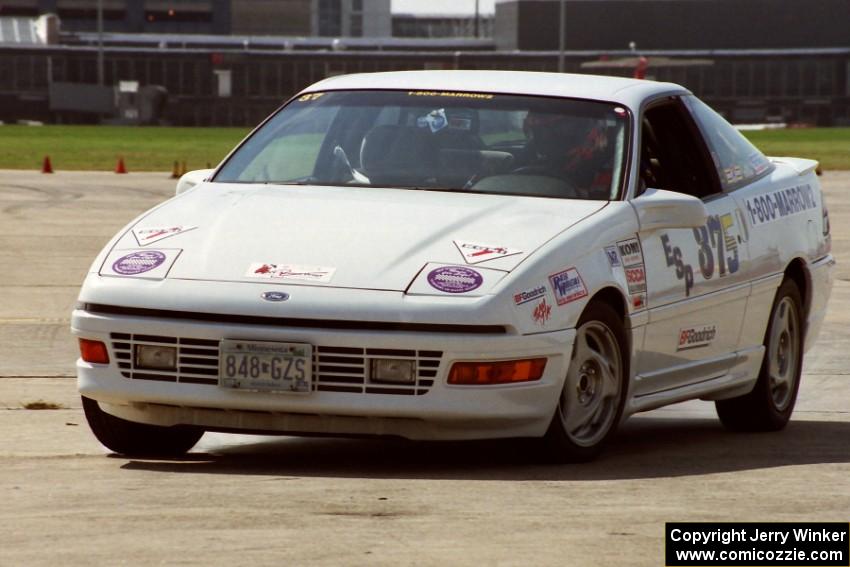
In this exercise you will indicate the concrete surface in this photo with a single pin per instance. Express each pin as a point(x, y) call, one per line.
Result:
point(286, 501)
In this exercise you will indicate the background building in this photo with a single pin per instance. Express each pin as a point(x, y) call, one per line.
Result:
point(668, 24)
point(777, 61)
point(442, 25)
point(352, 18)
point(133, 16)
point(334, 18)
point(271, 17)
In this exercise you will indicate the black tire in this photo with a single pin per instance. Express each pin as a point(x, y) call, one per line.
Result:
point(139, 439)
point(769, 405)
point(590, 389)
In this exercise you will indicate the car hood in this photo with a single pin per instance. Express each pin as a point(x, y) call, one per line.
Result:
point(371, 238)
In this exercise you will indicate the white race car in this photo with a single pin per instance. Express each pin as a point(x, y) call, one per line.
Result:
point(461, 255)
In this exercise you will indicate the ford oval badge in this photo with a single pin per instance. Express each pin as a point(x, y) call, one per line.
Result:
point(275, 296)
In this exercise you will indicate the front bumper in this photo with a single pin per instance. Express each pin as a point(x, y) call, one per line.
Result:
point(431, 410)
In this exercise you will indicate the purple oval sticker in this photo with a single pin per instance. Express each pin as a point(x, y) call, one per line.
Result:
point(455, 279)
point(138, 262)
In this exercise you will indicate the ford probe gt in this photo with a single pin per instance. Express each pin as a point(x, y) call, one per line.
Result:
point(461, 255)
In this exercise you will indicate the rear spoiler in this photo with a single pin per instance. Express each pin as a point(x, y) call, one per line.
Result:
point(800, 165)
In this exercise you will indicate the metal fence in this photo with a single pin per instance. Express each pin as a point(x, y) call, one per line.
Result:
point(811, 86)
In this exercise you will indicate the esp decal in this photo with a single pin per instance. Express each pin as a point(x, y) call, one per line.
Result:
point(695, 337)
point(568, 286)
point(717, 250)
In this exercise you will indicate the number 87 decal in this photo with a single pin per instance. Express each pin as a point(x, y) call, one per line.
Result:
point(715, 236)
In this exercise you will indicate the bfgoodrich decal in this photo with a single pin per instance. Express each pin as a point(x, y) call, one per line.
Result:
point(529, 295)
point(695, 337)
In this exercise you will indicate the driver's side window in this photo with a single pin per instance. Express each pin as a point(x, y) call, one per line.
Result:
point(672, 157)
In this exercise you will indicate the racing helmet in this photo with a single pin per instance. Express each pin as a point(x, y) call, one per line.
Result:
point(552, 135)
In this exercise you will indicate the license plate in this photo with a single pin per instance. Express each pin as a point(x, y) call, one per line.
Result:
point(265, 366)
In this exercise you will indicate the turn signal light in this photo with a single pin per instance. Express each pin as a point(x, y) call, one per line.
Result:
point(94, 351)
point(501, 372)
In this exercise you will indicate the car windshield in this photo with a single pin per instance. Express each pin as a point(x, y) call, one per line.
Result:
point(442, 141)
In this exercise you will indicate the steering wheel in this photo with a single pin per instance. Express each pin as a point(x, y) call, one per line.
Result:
point(341, 161)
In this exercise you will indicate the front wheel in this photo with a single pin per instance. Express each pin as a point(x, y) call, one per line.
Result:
point(138, 439)
point(591, 402)
point(768, 407)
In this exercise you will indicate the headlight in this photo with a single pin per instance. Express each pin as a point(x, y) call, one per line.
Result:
point(153, 357)
point(392, 370)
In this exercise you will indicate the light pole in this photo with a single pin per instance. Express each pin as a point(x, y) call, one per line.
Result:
point(562, 32)
point(100, 42)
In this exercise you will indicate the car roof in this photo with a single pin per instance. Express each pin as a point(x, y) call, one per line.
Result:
point(629, 92)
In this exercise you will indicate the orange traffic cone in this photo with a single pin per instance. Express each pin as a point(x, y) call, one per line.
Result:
point(46, 166)
point(119, 167)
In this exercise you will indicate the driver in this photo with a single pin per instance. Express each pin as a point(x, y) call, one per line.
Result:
point(574, 148)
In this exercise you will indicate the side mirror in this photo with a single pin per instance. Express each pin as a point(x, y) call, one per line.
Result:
point(658, 208)
point(191, 179)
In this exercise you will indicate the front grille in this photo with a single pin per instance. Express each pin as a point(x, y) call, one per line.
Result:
point(335, 369)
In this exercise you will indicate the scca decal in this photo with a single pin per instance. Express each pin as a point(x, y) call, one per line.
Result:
point(717, 249)
point(636, 279)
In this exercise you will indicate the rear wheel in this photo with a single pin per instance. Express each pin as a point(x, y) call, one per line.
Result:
point(138, 439)
point(770, 404)
point(591, 403)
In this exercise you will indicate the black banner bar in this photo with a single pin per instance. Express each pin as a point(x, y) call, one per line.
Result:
point(768, 544)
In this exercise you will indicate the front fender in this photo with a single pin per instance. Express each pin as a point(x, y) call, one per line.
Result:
point(551, 289)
